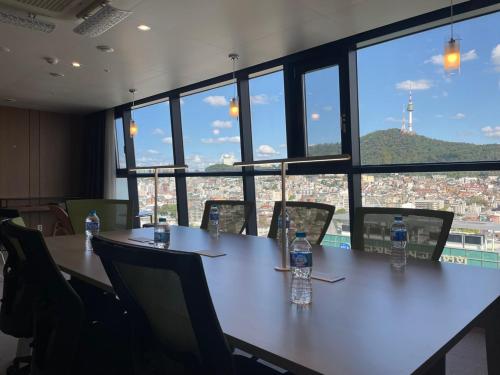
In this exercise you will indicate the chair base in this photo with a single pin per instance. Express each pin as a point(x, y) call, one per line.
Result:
point(16, 369)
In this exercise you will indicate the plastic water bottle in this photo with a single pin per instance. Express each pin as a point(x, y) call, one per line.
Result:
point(399, 236)
point(301, 269)
point(287, 230)
point(92, 226)
point(162, 234)
point(213, 221)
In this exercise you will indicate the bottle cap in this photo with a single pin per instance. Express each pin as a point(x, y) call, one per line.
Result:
point(92, 212)
point(398, 218)
point(300, 234)
point(162, 219)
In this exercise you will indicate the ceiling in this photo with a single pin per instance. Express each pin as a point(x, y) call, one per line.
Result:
point(189, 42)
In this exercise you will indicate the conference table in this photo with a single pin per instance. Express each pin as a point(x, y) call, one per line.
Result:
point(375, 321)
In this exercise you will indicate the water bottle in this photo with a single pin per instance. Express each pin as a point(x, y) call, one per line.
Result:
point(92, 226)
point(287, 230)
point(162, 234)
point(399, 236)
point(213, 222)
point(301, 269)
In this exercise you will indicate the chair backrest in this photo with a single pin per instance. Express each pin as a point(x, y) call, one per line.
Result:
point(310, 217)
point(114, 213)
point(427, 230)
point(11, 213)
point(63, 223)
point(167, 299)
point(233, 215)
point(42, 292)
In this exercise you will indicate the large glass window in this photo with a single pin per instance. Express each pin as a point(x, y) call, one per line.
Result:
point(201, 189)
point(121, 189)
point(329, 189)
point(153, 142)
point(322, 111)
point(474, 197)
point(411, 111)
point(267, 104)
point(120, 144)
point(211, 136)
point(167, 199)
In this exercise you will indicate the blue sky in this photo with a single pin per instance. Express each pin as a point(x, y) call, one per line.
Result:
point(461, 107)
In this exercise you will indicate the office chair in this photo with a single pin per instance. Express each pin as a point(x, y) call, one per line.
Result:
point(174, 324)
point(233, 215)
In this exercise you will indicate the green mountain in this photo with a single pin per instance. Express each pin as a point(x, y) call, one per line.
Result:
point(391, 147)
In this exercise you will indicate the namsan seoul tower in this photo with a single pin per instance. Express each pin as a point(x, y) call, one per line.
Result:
point(409, 109)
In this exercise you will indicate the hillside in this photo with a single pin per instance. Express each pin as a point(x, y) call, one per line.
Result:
point(390, 147)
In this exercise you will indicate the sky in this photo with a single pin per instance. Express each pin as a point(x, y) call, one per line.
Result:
point(463, 107)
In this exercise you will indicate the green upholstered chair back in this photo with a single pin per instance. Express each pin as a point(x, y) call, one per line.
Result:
point(312, 218)
point(12, 213)
point(166, 296)
point(114, 214)
point(427, 230)
point(233, 215)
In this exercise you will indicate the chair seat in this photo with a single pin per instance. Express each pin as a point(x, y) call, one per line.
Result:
point(249, 366)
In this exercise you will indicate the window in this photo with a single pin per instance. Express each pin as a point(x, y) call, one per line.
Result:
point(153, 142)
point(120, 144)
point(474, 197)
point(121, 189)
point(167, 199)
point(329, 189)
point(267, 104)
point(211, 136)
point(451, 118)
point(322, 111)
point(201, 189)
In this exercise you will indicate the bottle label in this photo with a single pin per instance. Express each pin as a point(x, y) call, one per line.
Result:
point(299, 259)
point(162, 237)
point(213, 216)
point(398, 235)
point(92, 226)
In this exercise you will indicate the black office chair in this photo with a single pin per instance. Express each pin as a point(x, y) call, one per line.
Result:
point(310, 217)
point(8, 213)
point(38, 301)
point(427, 230)
point(233, 215)
point(174, 324)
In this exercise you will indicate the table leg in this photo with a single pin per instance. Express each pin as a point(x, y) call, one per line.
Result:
point(492, 328)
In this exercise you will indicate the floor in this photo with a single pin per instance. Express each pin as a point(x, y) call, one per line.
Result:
point(468, 357)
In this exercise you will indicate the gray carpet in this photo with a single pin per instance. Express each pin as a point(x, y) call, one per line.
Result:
point(468, 357)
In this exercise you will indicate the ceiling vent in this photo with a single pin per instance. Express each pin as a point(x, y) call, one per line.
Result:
point(99, 18)
point(58, 9)
point(26, 20)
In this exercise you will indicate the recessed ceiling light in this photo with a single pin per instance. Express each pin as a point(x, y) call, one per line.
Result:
point(107, 70)
point(54, 74)
point(51, 60)
point(144, 27)
point(104, 48)
point(4, 49)
point(76, 64)
point(10, 100)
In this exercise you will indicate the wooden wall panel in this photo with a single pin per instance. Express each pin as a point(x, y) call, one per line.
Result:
point(14, 152)
point(40, 157)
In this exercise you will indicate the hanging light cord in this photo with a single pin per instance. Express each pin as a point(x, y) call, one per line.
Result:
point(451, 18)
point(234, 73)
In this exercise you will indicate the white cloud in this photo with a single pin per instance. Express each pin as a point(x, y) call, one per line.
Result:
point(495, 57)
point(439, 116)
point(219, 124)
point(469, 56)
point(182, 101)
point(235, 139)
point(421, 84)
point(259, 99)
point(458, 116)
point(167, 140)
point(158, 131)
point(216, 131)
point(327, 108)
point(282, 145)
point(266, 150)
point(392, 119)
point(438, 59)
point(216, 100)
point(491, 132)
point(153, 152)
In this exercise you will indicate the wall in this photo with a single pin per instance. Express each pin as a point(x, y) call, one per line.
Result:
point(41, 160)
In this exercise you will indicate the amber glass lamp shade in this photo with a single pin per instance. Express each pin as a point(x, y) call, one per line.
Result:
point(234, 110)
point(451, 55)
point(133, 129)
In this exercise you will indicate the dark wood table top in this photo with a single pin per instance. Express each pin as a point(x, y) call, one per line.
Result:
point(376, 321)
